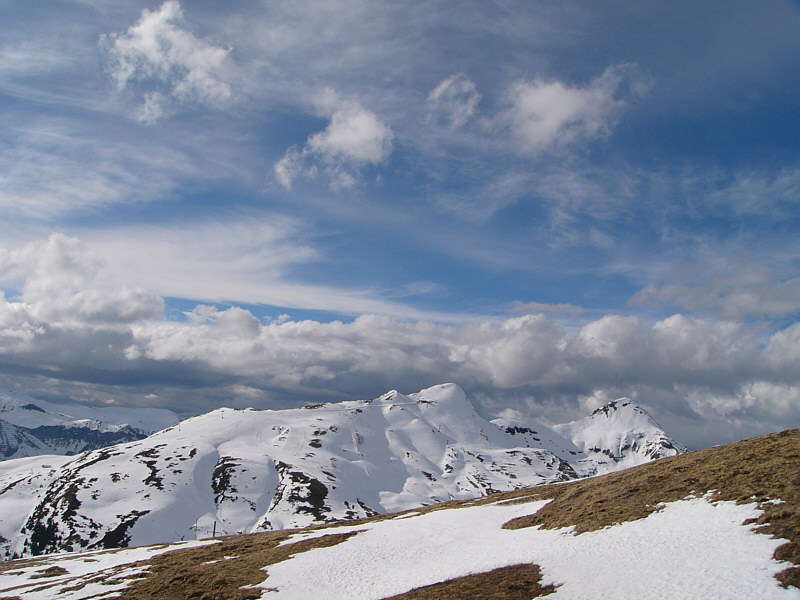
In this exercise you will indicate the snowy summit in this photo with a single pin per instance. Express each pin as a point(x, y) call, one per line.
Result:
point(236, 471)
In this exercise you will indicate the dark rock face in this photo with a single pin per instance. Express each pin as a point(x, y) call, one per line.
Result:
point(221, 480)
point(55, 524)
point(120, 535)
point(304, 492)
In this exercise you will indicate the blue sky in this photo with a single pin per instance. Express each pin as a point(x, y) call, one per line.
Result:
point(267, 203)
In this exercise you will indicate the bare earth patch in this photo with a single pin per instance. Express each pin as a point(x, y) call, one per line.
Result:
point(518, 582)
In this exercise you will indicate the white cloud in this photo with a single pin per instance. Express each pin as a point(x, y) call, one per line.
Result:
point(289, 167)
point(354, 135)
point(72, 320)
point(159, 50)
point(354, 138)
point(153, 108)
point(612, 337)
point(551, 115)
point(453, 100)
point(748, 292)
point(63, 286)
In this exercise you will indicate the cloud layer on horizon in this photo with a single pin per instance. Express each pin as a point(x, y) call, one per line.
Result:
point(688, 370)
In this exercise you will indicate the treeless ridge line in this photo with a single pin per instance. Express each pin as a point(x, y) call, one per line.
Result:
point(762, 470)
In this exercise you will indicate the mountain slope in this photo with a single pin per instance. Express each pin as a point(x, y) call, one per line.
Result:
point(234, 471)
point(18, 442)
point(656, 530)
point(31, 427)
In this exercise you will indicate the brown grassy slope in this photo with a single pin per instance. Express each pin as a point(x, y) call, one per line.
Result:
point(186, 574)
point(752, 470)
point(518, 582)
point(758, 469)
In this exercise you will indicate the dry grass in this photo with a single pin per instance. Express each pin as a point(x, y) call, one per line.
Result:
point(518, 582)
point(754, 470)
point(191, 573)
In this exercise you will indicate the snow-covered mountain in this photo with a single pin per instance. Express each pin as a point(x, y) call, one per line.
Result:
point(16, 442)
point(31, 427)
point(235, 471)
point(715, 523)
point(617, 436)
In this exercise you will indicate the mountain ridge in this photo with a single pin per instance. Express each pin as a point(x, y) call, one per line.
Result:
point(32, 427)
point(247, 470)
point(717, 486)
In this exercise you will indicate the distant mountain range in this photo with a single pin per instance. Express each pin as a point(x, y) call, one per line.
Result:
point(31, 427)
point(235, 471)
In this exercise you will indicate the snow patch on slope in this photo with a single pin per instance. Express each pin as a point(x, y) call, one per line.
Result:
point(690, 549)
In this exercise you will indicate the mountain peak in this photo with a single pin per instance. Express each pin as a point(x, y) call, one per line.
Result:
point(254, 470)
point(621, 406)
point(620, 434)
point(442, 393)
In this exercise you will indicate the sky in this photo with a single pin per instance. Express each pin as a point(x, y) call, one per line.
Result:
point(269, 203)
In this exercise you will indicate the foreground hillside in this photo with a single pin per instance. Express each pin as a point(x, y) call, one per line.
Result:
point(244, 471)
point(722, 522)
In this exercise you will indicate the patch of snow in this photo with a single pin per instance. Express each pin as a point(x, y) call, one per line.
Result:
point(98, 575)
point(690, 549)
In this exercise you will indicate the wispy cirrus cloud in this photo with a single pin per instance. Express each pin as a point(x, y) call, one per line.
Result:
point(747, 293)
point(53, 167)
point(454, 100)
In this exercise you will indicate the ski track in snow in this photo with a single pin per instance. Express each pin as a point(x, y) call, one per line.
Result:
point(690, 549)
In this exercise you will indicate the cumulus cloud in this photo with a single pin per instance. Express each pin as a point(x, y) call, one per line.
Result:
point(159, 51)
point(354, 135)
point(354, 138)
point(62, 286)
point(551, 115)
point(453, 100)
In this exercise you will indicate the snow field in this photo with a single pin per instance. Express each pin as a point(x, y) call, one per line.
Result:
point(690, 549)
